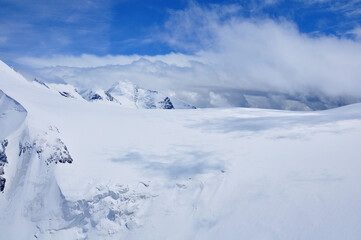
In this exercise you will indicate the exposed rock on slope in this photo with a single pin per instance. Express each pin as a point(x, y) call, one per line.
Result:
point(12, 115)
point(48, 147)
point(3, 161)
point(166, 104)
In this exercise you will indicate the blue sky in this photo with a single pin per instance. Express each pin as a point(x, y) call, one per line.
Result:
point(204, 52)
point(73, 27)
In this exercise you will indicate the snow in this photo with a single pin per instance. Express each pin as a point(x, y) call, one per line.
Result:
point(130, 95)
point(12, 115)
point(65, 90)
point(123, 93)
point(231, 173)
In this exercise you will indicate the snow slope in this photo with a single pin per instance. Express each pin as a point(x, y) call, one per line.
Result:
point(184, 174)
point(12, 115)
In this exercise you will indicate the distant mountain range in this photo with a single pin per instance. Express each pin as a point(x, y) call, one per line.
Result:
point(309, 101)
point(129, 95)
point(123, 93)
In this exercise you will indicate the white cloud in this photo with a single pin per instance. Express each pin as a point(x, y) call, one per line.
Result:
point(218, 100)
point(236, 54)
point(356, 32)
point(87, 60)
point(270, 2)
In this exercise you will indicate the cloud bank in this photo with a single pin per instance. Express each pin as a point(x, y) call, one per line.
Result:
point(228, 54)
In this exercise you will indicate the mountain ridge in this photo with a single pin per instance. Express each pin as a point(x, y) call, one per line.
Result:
point(123, 92)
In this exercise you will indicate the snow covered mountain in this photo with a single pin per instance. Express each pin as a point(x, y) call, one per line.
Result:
point(296, 101)
point(75, 169)
point(123, 93)
point(128, 94)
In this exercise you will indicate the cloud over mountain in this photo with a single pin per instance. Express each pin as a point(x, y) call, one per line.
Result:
point(235, 54)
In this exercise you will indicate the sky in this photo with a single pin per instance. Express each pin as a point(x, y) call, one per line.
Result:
point(201, 51)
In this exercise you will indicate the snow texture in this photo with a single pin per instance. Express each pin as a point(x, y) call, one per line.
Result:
point(230, 173)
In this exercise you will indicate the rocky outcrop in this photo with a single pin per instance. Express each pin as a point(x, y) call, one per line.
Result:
point(96, 95)
point(41, 83)
point(66, 94)
point(3, 161)
point(48, 147)
point(12, 116)
point(53, 152)
point(166, 104)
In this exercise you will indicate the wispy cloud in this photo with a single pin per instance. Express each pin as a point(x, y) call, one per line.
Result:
point(193, 28)
point(49, 27)
point(236, 54)
point(356, 33)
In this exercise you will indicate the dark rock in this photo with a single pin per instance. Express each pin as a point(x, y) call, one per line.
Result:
point(109, 96)
point(24, 147)
point(166, 104)
point(66, 94)
point(112, 215)
point(40, 82)
point(4, 143)
point(53, 152)
point(95, 96)
point(3, 158)
point(3, 161)
point(2, 184)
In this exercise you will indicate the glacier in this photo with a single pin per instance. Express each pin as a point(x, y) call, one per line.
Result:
point(82, 169)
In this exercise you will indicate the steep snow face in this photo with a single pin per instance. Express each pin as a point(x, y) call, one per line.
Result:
point(32, 192)
point(181, 174)
point(96, 95)
point(179, 104)
point(28, 156)
point(130, 95)
point(12, 115)
point(65, 90)
point(125, 93)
